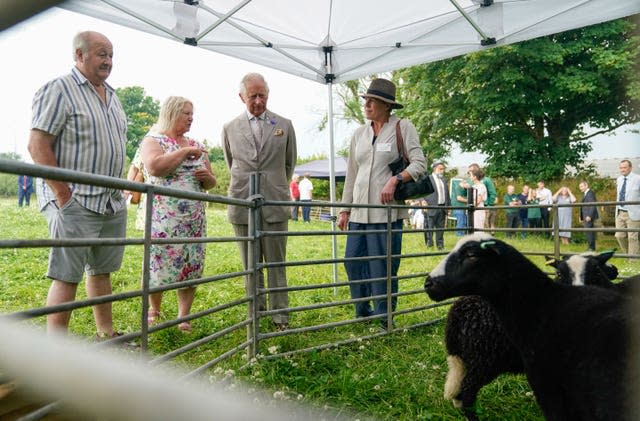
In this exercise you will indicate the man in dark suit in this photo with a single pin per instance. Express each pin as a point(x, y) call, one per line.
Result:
point(588, 214)
point(25, 188)
point(262, 142)
point(435, 215)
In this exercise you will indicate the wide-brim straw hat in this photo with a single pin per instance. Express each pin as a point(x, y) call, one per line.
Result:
point(384, 90)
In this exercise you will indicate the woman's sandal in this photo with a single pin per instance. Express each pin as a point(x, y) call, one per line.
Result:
point(185, 327)
point(153, 316)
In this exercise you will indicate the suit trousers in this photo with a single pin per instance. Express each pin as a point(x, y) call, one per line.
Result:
point(628, 240)
point(24, 195)
point(435, 219)
point(544, 221)
point(590, 236)
point(271, 250)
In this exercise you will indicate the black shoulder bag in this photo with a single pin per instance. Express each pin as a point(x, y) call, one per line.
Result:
point(409, 189)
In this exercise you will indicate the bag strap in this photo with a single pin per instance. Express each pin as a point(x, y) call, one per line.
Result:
point(400, 142)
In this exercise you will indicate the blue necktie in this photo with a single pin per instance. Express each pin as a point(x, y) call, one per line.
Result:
point(623, 191)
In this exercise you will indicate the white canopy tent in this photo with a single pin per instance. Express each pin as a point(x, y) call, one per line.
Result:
point(338, 40)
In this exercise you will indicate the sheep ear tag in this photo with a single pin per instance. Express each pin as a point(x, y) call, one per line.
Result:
point(488, 245)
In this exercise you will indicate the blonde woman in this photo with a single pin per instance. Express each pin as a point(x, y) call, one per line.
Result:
point(172, 159)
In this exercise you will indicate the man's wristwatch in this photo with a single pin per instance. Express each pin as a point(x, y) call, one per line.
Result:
point(399, 178)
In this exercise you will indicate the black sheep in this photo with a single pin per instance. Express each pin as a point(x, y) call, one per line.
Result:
point(478, 349)
point(573, 342)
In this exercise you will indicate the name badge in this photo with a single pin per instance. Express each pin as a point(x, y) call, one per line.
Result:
point(383, 147)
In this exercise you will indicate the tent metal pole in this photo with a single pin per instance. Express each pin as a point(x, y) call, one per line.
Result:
point(332, 184)
point(468, 19)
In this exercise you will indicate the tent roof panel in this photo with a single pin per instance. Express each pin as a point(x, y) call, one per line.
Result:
point(367, 36)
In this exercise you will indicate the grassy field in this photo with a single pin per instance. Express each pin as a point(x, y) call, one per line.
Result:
point(399, 376)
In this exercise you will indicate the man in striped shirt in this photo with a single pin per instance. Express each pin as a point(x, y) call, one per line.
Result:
point(79, 124)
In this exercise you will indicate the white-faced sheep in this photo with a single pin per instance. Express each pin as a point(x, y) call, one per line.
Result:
point(593, 269)
point(573, 342)
point(478, 348)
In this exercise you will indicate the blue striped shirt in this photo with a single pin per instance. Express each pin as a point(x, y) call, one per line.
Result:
point(90, 136)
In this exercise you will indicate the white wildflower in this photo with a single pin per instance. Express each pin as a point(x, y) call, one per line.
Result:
point(273, 349)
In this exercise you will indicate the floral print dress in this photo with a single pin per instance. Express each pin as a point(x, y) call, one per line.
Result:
point(174, 217)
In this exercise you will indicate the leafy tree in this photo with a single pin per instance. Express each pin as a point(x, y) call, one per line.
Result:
point(142, 112)
point(527, 106)
point(216, 154)
point(10, 155)
point(8, 182)
point(350, 108)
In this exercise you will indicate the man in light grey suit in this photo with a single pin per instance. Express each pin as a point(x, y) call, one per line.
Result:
point(260, 141)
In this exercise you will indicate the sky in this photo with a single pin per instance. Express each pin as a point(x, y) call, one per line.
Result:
point(39, 49)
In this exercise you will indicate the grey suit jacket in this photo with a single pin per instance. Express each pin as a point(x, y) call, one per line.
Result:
point(274, 162)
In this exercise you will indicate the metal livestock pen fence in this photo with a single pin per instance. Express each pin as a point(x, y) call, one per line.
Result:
point(256, 333)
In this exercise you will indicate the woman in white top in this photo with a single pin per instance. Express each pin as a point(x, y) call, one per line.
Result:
point(369, 180)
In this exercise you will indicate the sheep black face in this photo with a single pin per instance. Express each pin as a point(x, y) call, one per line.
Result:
point(460, 273)
point(586, 269)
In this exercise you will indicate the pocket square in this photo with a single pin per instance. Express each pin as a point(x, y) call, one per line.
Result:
point(278, 132)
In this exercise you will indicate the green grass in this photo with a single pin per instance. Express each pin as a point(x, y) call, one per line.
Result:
point(399, 376)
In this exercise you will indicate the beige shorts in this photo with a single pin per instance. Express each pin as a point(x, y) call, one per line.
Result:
point(74, 221)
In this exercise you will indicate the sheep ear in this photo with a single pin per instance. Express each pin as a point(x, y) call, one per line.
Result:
point(551, 261)
point(605, 255)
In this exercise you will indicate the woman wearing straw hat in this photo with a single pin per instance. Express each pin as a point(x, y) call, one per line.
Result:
point(369, 180)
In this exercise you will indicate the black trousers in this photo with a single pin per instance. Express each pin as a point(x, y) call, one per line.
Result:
point(435, 219)
point(590, 236)
point(513, 221)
